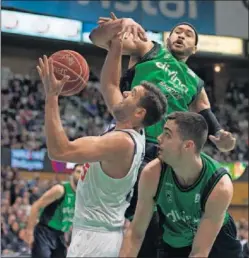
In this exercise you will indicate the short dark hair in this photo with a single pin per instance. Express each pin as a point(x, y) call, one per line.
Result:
point(154, 102)
point(75, 166)
point(191, 126)
point(191, 26)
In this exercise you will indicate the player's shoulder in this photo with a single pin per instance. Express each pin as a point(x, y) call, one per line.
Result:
point(152, 170)
point(56, 191)
point(119, 138)
point(59, 188)
point(150, 175)
point(222, 192)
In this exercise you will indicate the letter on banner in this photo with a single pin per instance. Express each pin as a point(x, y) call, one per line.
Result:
point(126, 7)
point(147, 6)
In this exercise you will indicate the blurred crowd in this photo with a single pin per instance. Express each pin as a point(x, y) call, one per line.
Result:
point(86, 114)
point(17, 196)
point(23, 112)
point(233, 116)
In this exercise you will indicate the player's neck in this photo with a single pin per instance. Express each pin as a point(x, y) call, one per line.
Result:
point(126, 125)
point(188, 174)
point(73, 185)
point(181, 58)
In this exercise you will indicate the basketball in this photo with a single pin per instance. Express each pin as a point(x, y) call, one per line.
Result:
point(71, 63)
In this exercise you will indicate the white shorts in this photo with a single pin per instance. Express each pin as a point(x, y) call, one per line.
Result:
point(87, 243)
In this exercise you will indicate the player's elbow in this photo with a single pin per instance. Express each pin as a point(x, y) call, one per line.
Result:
point(136, 234)
point(53, 154)
point(57, 155)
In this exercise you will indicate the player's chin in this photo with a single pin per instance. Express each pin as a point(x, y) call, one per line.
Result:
point(178, 50)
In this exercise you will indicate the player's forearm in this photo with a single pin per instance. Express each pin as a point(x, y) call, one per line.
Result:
point(56, 138)
point(205, 237)
point(102, 35)
point(111, 72)
point(34, 212)
point(131, 245)
point(110, 77)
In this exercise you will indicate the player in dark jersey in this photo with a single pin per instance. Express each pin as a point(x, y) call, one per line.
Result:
point(165, 67)
point(56, 206)
point(192, 193)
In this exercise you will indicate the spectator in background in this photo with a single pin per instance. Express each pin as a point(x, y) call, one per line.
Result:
point(15, 208)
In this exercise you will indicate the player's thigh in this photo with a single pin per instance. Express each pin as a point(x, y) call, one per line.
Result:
point(61, 248)
point(43, 243)
point(86, 243)
point(226, 244)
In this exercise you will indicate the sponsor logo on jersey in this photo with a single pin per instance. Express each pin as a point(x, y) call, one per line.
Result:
point(197, 198)
point(169, 196)
point(176, 216)
point(173, 75)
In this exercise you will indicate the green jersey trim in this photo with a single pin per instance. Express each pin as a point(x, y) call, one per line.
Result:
point(212, 182)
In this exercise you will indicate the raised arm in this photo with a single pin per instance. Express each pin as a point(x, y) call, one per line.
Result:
point(136, 44)
point(110, 74)
point(86, 149)
point(213, 218)
point(144, 210)
point(223, 140)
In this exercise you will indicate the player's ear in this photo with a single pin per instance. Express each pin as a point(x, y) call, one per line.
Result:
point(140, 112)
point(194, 50)
point(188, 145)
point(167, 41)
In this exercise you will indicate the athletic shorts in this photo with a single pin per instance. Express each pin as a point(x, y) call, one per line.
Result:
point(88, 243)
point(48, 243)
point(226, 245)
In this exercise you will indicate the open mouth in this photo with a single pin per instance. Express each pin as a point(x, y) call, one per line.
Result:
point(179, 43)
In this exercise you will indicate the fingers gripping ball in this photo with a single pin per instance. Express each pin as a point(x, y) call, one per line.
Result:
point(71, 63)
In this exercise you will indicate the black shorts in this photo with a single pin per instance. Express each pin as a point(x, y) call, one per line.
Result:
point(48, 243)
point(149, 247)
point(226, 245)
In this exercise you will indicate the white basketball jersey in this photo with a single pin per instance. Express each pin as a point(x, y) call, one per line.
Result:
point(101, 201)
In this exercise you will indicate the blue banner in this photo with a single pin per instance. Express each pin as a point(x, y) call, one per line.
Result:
point(152, 15)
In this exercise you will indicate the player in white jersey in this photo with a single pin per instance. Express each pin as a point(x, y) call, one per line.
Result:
point(111, 160)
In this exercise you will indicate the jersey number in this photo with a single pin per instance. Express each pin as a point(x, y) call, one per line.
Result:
point(86, 166)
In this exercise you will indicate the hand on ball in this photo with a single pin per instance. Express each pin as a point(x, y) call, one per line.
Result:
point(52, 86)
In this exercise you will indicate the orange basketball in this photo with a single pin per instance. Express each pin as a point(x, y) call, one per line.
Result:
point(71, 63)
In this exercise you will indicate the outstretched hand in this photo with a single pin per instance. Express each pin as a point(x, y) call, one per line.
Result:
point(52, 86)
point(103, 20)
point(129, 27)
point(225, 141)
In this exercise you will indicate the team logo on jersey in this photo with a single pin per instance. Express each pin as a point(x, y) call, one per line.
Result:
point(197, 198)
point(86, 166)
point(169, 184)
point(169, 196)
point(191, 73)
point(167, 56)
